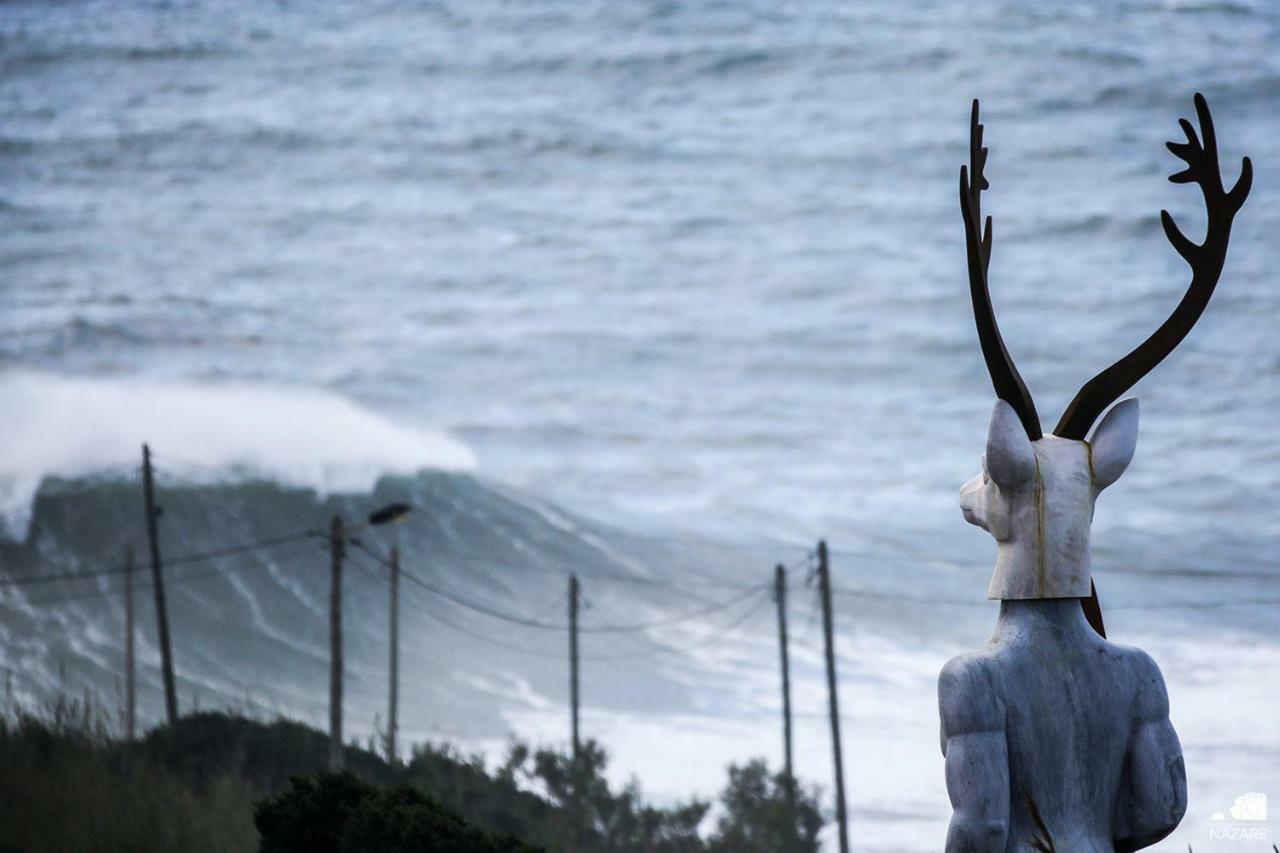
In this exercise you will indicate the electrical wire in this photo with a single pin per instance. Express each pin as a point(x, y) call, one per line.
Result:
point(560, 656)
point(717, 637)
point(99, 479)
point(534, 623)
point(688, 586)
point(523, 650)
point(181, 559)
point(188, 576)
point(951, 602)
point(878, 595)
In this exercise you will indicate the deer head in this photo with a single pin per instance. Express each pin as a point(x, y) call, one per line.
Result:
point(1036, 493)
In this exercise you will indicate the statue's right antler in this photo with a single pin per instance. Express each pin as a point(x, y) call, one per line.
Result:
point(1004, 374)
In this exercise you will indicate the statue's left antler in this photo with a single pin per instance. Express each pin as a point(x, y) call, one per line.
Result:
point(1206, 262)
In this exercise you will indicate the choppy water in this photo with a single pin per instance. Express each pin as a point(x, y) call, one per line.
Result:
point(690, 274)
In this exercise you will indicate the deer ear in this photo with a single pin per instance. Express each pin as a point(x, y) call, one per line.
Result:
point(1010, 460)
point(1114, 441)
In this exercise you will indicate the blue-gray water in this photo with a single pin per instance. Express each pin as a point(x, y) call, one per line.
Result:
point(683, 279)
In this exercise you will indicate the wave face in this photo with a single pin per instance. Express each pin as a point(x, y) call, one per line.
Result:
point(663, 290)
point(250, 627)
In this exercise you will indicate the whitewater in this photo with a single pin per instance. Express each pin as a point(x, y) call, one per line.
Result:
point(655, 293)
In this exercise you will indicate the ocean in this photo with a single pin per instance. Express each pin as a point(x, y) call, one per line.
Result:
point(655, 293)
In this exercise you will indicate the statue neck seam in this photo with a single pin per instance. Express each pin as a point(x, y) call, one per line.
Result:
point(1040, 549)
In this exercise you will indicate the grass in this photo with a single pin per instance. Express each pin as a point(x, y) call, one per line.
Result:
point(67, 786)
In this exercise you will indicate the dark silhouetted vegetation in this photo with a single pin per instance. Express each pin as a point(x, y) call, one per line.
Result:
point(757, 816)
point(67, 784)
point(337, 813)
point(591, 816)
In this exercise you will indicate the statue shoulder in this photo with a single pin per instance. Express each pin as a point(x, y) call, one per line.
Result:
point(1150, 697)
point(969, 695)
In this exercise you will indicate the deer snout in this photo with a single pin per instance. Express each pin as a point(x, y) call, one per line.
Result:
point(973, 502)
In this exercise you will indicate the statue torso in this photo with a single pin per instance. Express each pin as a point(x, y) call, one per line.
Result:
point(1068, 698)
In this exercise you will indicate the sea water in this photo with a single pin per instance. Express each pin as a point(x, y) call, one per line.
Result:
point(657, 293)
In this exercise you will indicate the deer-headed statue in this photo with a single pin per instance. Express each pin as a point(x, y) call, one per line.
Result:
point(1054, 737)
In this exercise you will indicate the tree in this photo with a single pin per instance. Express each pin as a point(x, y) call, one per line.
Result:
point(757, 815)
point(591, 817)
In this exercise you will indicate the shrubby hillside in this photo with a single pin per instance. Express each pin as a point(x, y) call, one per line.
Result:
point(67, 784)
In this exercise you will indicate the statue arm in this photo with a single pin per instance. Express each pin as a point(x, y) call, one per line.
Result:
point(977, 758)
point(1155, 796)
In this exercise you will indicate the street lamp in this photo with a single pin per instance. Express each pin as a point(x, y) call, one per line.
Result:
point(338, 535)
point(392, 513)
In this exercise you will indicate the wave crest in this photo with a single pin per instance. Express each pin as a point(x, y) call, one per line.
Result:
point(59, 426)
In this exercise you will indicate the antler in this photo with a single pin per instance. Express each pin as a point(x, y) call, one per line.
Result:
point(1004, 375)
point(1206, 261)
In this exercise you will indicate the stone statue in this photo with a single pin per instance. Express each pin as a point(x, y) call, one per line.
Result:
point(1054, 737)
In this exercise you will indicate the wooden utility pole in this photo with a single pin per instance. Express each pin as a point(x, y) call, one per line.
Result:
point(824, 586)
point(573, 661)
point(395, 654)
point(130, 679)
point(157, 582)
point(780, 595)
point(335, 643)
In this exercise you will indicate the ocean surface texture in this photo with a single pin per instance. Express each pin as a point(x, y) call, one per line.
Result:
point(656, 293)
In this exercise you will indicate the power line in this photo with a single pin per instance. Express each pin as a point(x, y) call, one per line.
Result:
point(548, 626)
point(674, 540)
point(665, 623)
point(687, 586)
point(193, 465)
point(638, 580)
point(554, 604)
point(880, 595)
point(231, 550)
point(696, 644)
point(525, 650)
point(208, 573)
point(100, 479)
point(86, 574)
point(690, 587)
point(437, 617)
point(216, 506)
point(1189, 605)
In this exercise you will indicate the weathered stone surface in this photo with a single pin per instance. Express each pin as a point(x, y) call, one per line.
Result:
point(1051, 714)
point(1053, 735)
point(1036, 499)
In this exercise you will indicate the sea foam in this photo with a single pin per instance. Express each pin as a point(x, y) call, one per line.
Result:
point(69, 427)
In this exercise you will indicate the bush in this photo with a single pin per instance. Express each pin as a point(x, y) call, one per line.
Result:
point(337, 813)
